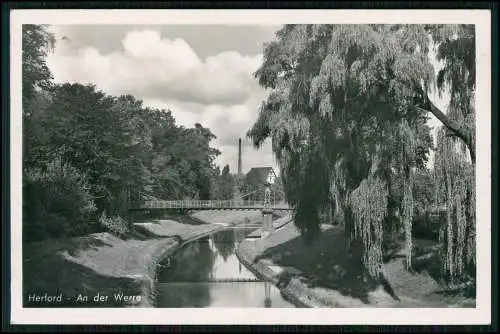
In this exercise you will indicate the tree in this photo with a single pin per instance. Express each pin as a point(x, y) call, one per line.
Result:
point(455, 180)
point(57, 200)
point(343, 101)
point(455, 174)
point(183, 163)
point(88, 154)
point(100, 135)
point(277, 190)
point(227, 184)
point(37, 42)
point(456, 48)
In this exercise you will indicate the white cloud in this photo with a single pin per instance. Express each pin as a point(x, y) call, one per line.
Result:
point(228, 123)
point(153, 67)
point(219, 92)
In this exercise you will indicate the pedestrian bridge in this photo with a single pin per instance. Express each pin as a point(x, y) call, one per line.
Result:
point(209, 205)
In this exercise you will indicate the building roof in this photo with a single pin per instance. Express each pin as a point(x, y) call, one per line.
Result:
point(259, 174)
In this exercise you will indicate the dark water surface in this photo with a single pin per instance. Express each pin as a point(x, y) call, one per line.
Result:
point(207, 273)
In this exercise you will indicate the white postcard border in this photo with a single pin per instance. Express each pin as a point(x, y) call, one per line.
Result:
point(479, 315)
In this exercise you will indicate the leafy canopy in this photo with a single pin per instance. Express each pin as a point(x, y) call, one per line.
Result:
point(338, 94)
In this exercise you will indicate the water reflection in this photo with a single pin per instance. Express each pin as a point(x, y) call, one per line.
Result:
point(207, 273)
point(267, 299)
point(193, 263)
point(225, 243)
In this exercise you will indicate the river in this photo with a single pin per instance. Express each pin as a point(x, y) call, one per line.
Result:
point(207, 273)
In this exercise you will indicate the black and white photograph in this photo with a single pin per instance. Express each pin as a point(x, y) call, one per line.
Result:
point(167, 164)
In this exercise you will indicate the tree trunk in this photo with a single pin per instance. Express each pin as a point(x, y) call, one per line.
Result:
point(459, 131)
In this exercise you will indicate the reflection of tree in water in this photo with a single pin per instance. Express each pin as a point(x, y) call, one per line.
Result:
point(185, 295)
point(224, 242)
point(193, 263)
point(242, 233)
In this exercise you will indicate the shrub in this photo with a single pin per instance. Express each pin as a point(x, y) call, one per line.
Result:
point(116, 224)
point(56, 202)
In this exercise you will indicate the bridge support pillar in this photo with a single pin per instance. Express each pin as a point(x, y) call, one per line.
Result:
point(267, 223)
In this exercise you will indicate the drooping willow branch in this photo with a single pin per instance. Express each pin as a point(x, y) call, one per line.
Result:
point(455, 178)
point(368, 204)
point(407, 155)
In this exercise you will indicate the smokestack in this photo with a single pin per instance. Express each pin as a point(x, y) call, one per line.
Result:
point(239, 157)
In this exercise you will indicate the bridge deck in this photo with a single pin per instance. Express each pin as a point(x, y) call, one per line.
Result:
point(209, 205)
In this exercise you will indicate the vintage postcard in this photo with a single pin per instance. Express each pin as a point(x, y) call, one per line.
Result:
point(250, 167)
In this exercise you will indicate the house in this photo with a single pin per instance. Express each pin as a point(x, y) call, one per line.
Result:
point(261, 175)
point(255, 181)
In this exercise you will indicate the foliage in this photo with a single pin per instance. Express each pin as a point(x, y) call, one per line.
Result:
point(226, 184)
point(369, 208)
point(454, 168)
point(339, 95)
point(455, 178)
point(455, 48)
point(115, 225)
point(225, 243)
point(423, 191)
point(121, 150)
point(37, 42)
point(183, 162)
point(277, 190)
point(57, 201)
point(343, 99)
point(407, 152)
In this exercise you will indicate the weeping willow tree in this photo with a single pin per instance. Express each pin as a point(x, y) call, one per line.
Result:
point(407, 153)
point(455, 157)
point(369, 208)
point(455, 177)
point(339, 96)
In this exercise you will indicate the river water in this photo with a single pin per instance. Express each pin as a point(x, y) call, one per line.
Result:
point(207, 273)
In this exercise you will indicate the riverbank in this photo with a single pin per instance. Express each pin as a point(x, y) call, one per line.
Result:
point(99, 269)
point(89, 271)
point(325, 275)
point(228, 217)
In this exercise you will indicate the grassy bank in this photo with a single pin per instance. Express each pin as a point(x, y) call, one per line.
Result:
point(97, 270)
point(182, 232)
point(81, 268)
point(228, 217)
point(325, 274)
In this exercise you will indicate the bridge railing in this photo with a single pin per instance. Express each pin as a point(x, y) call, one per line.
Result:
point(208, 204)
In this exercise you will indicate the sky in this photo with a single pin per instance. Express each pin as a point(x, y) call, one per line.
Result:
point(202, 73)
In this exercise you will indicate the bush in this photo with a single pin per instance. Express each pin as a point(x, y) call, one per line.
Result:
point(56, 202)
point(116, 225)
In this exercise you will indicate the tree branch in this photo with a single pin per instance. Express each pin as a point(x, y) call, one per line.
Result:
point(459, 131)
